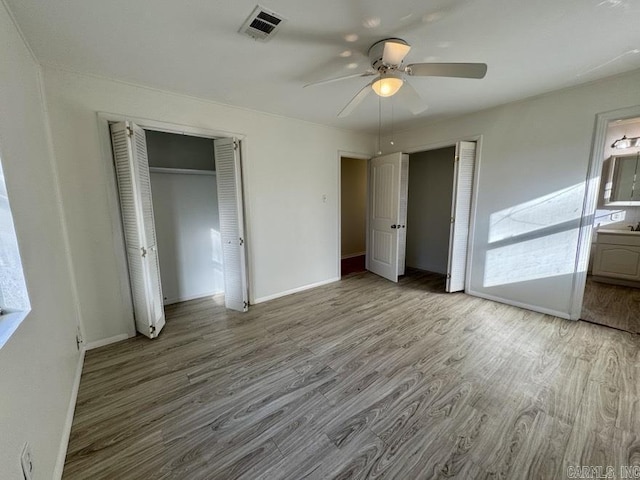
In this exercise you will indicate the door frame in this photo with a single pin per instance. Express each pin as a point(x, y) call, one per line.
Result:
point(474, 196)
point(104, 119)
point(590, 203)
point(360, 156)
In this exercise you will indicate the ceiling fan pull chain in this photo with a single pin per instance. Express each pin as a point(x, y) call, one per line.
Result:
point(392, 125)
point(379, 125)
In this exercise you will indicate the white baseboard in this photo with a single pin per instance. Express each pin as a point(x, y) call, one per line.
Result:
point(66, 430)
point(352, 255)
point(615, 281)
point(426, 269)
point(295, 290)
point(171, 301)
point(107, 341)
point(526, 306)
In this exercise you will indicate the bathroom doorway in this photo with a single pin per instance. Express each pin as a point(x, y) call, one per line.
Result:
point(612, 290)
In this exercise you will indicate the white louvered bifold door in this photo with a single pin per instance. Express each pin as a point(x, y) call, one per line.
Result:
point(387, 215)
point(229, 178)
point(136, 207)
point(465, 160)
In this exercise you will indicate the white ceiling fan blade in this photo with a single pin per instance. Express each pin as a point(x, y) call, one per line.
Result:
point(462, 70)
point(394, 52)
point(355, 101)
point(411, 99)
point(337, 79)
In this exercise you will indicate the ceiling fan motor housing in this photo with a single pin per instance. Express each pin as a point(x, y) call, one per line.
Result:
point(376, 53)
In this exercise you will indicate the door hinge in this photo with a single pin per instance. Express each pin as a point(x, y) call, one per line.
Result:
point(143, 252)
point(152, 329)
point(236, 145)
point(456, 158)
point(79, 340)
point(241, 241)
point(129, 131)
point(246, 305)
point(448, 276)
point(453, 219)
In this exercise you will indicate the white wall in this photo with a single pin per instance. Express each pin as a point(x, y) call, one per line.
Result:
point(185, 208)
point(38, 363)
point(429, 209)
point(533, 167)
point(288, 166)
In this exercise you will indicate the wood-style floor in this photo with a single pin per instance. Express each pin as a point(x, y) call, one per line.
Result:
point(612, 305)
point(359, 379)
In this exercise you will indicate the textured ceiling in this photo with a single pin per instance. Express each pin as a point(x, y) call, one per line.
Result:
point(194, 47)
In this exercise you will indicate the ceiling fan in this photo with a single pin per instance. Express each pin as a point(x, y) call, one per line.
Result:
point(387, 57)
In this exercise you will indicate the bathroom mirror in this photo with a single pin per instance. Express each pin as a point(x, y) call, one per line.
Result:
point(623, 185)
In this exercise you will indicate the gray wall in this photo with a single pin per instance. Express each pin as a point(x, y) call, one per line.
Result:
point(429, 209)
point(169, 150)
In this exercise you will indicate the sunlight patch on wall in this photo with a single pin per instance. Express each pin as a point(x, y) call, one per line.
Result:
point(543, 257)
point(543, 212)
point(216, 247)
point(535, 239)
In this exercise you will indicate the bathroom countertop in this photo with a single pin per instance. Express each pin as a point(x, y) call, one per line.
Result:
point(617, 232)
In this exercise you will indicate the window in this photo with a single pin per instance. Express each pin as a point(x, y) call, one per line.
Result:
point(14, 300)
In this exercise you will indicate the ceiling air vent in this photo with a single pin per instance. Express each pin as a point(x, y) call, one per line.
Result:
point(262, 24)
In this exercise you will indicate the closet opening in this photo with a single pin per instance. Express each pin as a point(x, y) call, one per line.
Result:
point(430, 198)
point(187, 221)
point(419, 213)
point(181, 207)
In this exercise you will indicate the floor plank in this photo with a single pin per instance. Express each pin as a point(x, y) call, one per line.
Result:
point(359, 379)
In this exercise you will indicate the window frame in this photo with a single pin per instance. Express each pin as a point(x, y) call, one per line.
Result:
point(11, 316)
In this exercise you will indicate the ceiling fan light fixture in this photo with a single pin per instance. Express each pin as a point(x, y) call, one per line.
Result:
point(387, 85)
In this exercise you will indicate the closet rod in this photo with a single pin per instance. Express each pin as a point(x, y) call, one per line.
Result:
point(181, 171)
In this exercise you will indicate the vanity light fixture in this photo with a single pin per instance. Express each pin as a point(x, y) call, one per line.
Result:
point(625, 142)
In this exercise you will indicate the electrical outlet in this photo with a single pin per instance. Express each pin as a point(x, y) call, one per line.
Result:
point(26, 461)
point(617, 216)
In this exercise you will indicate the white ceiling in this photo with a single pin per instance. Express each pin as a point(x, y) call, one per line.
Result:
point(194, 47)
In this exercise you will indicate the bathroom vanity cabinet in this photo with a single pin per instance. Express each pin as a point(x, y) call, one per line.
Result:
point(617, 257)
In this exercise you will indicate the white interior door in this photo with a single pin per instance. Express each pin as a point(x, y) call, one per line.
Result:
point(460, 215)
point(136, 207)
point(387, 215)
point(229, 178)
